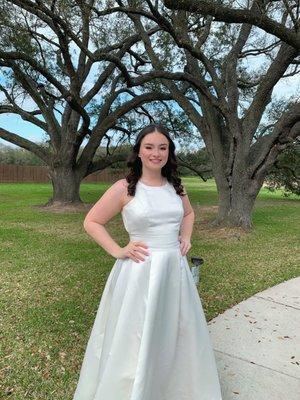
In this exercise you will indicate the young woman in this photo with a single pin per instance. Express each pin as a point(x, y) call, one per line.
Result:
point(150, 339)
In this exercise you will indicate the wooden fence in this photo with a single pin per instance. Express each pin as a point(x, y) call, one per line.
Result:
point(11, 173)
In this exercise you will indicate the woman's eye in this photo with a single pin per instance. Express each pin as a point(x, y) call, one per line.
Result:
point(162, 148)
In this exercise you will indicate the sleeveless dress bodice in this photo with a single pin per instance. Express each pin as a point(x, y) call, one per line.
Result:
point(154, 216)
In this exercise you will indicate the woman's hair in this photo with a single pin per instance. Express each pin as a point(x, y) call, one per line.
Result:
point(169, 170)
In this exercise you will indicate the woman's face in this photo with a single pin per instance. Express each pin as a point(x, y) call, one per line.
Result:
point(154, 150)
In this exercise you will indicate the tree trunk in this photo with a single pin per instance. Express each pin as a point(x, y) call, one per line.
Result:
point(236, 201)
point(66, 185)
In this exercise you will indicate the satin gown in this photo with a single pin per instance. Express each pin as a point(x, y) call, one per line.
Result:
point(150, 339)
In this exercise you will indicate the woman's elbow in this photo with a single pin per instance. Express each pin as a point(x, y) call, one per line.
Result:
point(86, 224)
point(90, 225)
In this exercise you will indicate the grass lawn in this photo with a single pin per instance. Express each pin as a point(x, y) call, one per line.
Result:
point(52, 277)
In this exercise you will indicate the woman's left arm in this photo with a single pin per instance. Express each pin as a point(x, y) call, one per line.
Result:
point(186, 227)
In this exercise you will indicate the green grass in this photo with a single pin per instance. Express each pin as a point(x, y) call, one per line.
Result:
point(52, 277)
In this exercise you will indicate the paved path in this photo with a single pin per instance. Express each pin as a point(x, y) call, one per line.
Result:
point(257, 345)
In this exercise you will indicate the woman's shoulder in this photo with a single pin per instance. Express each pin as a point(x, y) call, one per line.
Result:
point(120, 187)
point(121, 184)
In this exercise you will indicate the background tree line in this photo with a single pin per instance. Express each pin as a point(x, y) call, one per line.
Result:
point(284, 175)
point(195, 163)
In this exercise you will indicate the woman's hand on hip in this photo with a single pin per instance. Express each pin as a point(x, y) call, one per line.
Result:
point(135, 251)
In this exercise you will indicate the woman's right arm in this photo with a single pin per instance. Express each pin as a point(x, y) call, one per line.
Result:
point(109, 205)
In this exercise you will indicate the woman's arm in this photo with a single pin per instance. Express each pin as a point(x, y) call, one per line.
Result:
point(187, 223)
point(109, 205)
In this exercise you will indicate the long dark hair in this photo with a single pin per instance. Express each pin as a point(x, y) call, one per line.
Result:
point(169, 170)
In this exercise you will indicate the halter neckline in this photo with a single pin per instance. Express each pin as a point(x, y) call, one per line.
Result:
point(155, 187)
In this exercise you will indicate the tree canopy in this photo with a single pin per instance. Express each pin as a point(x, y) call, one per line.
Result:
point(210, 81)
point(261, 13)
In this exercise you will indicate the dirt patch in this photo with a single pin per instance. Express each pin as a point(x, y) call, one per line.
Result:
point(208, 209)
point(216, 231)
point(68, 231)
point(64, 208)
point(203, 223)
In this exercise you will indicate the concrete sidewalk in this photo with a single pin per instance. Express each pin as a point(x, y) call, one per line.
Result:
point(257, 345)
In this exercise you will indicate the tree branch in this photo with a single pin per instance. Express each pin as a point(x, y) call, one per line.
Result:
point(15, 109)
point(25, 144)
point(110, 121)
point(265, 150)
point(264, 90)
point(226, 14)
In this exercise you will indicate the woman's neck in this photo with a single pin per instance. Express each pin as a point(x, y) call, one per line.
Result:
point(152, 179)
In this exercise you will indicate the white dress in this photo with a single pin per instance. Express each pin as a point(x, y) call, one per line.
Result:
point(150, 339)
